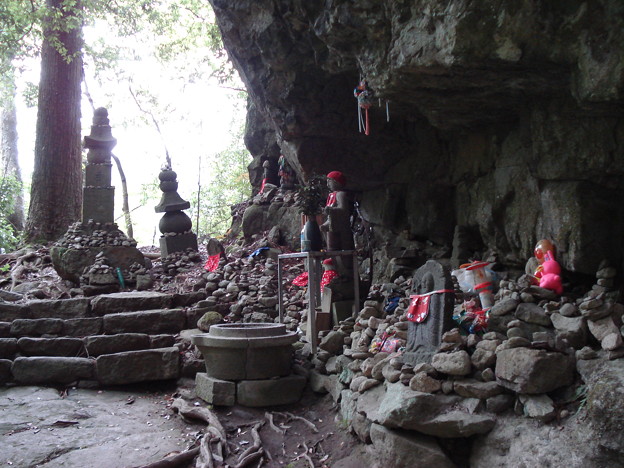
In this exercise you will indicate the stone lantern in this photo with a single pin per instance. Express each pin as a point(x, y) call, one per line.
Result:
point(175, 224)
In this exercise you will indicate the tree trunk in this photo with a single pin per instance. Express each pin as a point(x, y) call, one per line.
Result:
point(56, 193)
point(9, 159)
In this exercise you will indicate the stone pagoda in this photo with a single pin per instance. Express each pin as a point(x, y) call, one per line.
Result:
point(175, 225)
point(97, 234)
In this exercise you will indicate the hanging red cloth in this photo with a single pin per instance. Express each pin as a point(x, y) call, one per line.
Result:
point(213, 262)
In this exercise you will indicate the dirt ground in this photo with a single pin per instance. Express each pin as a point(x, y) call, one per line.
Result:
point(134, 426)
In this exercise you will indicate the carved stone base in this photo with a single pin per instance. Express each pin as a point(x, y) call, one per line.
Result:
point(179, 243)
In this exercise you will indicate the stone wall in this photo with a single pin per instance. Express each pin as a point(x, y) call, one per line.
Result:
point(505, 117)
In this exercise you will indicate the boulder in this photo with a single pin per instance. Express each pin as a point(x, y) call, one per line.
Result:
point(533, 371)
point(208, 319)
point(457, 363)
point(406, 449)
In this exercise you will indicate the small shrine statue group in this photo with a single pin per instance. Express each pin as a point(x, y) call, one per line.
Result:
point(476, 279)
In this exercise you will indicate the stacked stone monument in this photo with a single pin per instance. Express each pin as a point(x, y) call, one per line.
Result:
point(97, 233)
point(175, 224)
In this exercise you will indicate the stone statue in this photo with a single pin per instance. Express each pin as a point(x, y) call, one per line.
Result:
point(286, 173)
point(338, 211)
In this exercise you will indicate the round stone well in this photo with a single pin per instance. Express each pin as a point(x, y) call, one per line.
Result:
point(246, 351)
point(248, 364)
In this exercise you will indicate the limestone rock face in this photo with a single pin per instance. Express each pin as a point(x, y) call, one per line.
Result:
point(508, 115)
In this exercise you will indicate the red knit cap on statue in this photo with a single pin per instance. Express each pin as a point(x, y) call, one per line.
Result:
point(338, 177)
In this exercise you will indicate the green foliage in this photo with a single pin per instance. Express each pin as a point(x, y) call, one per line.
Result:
point(310, 198)
point(224, 182)
point(9, 190)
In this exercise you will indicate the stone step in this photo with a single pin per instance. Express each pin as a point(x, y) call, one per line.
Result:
point(90, 346)
point(152, 322)
point(97, 306)
point(107, 369)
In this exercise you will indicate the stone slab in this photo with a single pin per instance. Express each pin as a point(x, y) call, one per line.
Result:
point(98, 204)
point(109, 344)
point(5, 371)
point(151, 322)
point(83, 326)
point(5, 329)
point(271, 392)
point(8, 348)
point(130, 302)
point(50, 370)
point(161, 341)
point(187, 299)
point(215, 391)
point(68, 347)
point(10, 312)
point(138, 366)
point(37, 327)
point(407, 449)
point(179, 243)
point(62, 308)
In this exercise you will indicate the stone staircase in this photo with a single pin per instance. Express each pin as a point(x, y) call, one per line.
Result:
point(112, 339)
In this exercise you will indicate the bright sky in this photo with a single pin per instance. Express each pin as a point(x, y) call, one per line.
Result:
point(197, 123)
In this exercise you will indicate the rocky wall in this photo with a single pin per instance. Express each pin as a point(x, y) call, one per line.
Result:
point(505, 116)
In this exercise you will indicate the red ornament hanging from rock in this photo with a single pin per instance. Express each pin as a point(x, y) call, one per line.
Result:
point(364, 98)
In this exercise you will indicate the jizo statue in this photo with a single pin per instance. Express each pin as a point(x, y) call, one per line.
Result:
point(338, 210)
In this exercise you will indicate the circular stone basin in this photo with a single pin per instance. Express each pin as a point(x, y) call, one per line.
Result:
point(246, 351)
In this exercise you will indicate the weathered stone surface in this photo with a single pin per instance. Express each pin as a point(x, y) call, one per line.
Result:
point(541, 177)
point(69, 347)
point(5, 329)
point(574, 329)
point(538, 407)
point(406, 449)
point(50, 370)
point(150, 322)
point(457, 363)
point(482, 358)
point(499, 403)
point(361, 426)
point(332, 342)
point(36, 327)
point(109, 344)
point(209, 318)
point(504, 307)
point(138, 366)
point(476, 389)
point(10, 312)
point(532, 313)
point(533, 371)
point(5, 371)
point(424, 412)
point(8, 348)
point(83, 326)
point(421, 382)
point(70, 263)
point(318, 382)
point(130, 301)
point(602, 327)
point(63, 308)
point(280, 391)
point(215, 391)
point(161, 341)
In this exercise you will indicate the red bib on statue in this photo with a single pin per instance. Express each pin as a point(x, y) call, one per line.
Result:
point(418, 308)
